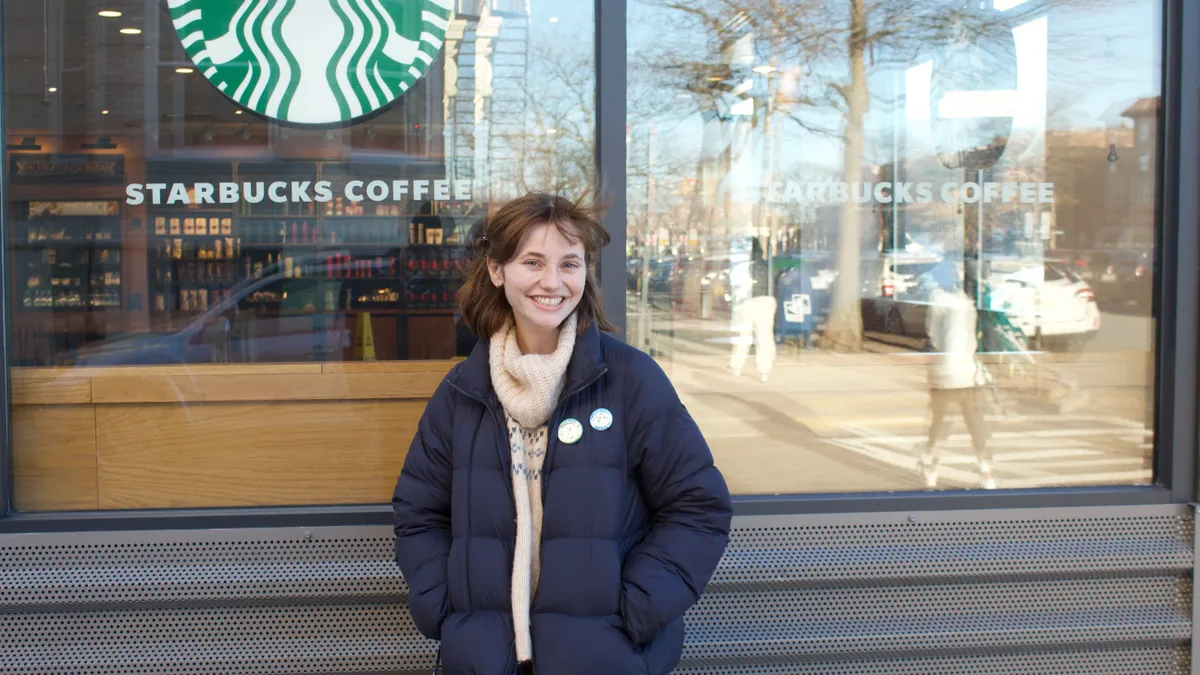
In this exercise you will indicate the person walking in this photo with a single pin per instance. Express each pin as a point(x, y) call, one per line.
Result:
point(956, 378)
point(754, 318)
point(558, 510)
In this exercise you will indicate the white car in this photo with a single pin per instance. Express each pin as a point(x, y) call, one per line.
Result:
point(1048, 300)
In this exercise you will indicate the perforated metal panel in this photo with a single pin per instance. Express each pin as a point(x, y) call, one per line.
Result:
point(188, 572)
point(1094, 591)
point(773, 551)
point(1162, 661)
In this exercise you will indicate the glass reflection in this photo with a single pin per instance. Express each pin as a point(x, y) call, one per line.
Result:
point(208, 303)
point(932, 223)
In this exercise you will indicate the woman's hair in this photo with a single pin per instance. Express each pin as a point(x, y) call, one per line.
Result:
point(483, 305)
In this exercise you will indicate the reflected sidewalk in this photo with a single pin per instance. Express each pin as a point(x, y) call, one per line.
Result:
point(832, 422)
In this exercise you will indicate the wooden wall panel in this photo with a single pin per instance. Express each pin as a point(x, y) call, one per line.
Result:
point(252, 454)
point(56, 391)
point(442, 366)
point(258, 388)
point(164, 371)
point(54, 458)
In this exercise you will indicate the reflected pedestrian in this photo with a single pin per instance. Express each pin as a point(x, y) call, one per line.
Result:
point(754, 319)
point(956, 378)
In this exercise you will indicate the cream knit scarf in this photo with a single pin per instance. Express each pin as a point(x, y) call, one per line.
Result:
point(528, 386)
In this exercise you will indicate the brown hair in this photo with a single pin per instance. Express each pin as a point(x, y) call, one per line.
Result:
point(483, 306)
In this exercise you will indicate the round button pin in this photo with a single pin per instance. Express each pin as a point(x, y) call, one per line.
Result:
point(601, 419)
point(570, 431)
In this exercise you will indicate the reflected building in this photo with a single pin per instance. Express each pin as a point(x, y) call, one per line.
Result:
point(486, 95)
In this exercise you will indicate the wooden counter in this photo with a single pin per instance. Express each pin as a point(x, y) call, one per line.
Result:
point(214, 435)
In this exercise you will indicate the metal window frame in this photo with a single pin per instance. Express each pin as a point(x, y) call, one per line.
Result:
point(1176, 303)
point(611, 79)
point(6, 484)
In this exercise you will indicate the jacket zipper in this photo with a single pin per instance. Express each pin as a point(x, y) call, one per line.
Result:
point(503, 429)
point(512, 661)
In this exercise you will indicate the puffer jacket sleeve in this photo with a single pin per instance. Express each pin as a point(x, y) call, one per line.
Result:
point(689, 501)
point(421, 514)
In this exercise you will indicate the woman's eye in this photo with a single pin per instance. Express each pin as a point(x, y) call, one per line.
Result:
point(532, 263)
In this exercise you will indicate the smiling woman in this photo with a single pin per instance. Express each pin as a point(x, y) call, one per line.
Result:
point(536, 264)
point(636, 505)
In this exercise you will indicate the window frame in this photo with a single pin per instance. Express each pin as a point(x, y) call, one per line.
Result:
point(1175, 304)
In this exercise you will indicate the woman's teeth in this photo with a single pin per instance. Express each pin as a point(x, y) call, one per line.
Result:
point(548, 302)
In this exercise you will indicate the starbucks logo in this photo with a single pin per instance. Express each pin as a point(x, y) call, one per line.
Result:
point(312, 61)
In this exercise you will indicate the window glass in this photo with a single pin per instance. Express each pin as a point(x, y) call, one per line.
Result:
point(236, 230)
point(899, 245)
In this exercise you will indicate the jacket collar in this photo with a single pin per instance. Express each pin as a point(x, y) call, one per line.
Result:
point(474, 377)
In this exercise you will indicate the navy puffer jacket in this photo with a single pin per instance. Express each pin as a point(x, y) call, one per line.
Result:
point(636, 518)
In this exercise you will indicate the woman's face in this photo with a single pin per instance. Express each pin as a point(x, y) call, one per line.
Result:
point(543, 282)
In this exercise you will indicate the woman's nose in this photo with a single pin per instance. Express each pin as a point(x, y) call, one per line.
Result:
point(550, 277)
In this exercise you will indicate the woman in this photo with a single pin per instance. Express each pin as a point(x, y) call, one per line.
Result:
point(558, 510)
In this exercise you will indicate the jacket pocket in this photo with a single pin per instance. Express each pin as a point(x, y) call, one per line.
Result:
point(639, 650)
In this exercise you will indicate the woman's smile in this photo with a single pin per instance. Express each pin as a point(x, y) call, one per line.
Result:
point(547, 302)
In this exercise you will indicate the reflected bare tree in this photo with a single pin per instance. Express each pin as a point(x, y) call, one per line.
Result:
point(830, 48)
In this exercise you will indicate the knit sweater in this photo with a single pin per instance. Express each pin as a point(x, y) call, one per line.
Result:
point(528, 386)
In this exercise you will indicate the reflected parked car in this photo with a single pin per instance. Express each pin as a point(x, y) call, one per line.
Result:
point(1049, 302)
point(1123, 277)
point(895, 297)
point(1046, 302)
point(274, 317)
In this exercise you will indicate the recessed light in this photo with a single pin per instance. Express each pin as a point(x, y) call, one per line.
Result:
point(237, 112)
point(52, 89)
point(103, 112)
point(185, 71)
point(131, 31)
point(109, 13)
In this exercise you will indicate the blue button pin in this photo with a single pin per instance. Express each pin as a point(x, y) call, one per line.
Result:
point(601, 419)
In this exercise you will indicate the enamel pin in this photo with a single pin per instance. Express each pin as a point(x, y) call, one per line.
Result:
point(601, 419)
point(570, 431)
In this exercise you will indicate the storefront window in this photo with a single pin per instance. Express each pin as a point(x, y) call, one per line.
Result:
point(900, 245)
point(235, 231)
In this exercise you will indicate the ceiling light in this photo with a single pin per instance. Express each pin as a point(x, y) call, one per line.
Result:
point(52, 89)
point(764, 69)
point(103, 112)
point(554, 19)
point(552, 130)
point(237, 112)
point(109, 13)
point(131, 31)
point(185, 70)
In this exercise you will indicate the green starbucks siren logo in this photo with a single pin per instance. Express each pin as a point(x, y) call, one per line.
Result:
point(312, 61)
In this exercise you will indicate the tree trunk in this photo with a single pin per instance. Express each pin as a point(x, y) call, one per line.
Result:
point(845, 320)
